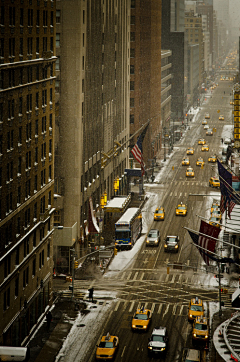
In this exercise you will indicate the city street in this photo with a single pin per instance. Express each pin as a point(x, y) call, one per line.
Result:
point(159, 281)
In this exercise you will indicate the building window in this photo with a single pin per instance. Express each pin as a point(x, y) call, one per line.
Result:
point(42, 205)
point(16, 287)
point(51, 43)
point(57, 64)
point(83, 16)
point(132, 22)
point(132, 85)
point(34, 267)
point(17, 255)
point(19, 197)
point(29, 102)
point(36, 127)
point(131, 102)
point(37, 72)
point(19, 165)
point(29, 45)
point(37, 100)
point(58, 40)
point(40, 260)
point(44, 43)
point(50, 198)
point(7, 266)
point(30, 17)
point(44, 124)
point(58, 16)
point(26, 243)
point(131, 118)
point(35, 183)
point(133, 4)
point(132, 53)
point(43, 258)
point(34, 238)
point(21, 16)
point(29, 74)
point(6, 299)
point(37, 45)
point(50, 173)
point(36, 155)
point(132, 36)
point(45, 18)
point(20, 104)
point(48, 250)
point(38, 18)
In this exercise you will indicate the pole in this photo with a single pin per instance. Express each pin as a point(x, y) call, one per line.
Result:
point(219, 293)
point(164, 144)
point(73, 272)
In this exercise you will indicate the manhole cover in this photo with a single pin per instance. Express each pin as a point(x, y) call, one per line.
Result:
point(81, 325)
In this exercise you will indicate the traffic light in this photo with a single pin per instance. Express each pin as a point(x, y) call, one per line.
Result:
point(75, 264)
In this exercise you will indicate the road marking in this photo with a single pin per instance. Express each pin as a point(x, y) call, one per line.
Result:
point(129, 276)
point(171, 193)
point(135, 276)
point(174, 309)
point(159, 308)
point(167, 277)
point(123, 275)
point(131, 306)
point(180, 194)
point(153, 307)
point(117, 305)
point(181, 309)
point(125, 305)
point(166, 310)
point(123, 351)
point(173, 278)
point(141, 278)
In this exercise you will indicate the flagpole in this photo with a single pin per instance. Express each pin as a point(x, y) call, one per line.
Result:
point(227, 227)
point(219, 292)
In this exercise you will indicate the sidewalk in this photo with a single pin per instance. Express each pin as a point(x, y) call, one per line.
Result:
point(45, 345)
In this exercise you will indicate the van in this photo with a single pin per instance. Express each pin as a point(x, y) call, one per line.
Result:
point(14, 353)
point(193, 355)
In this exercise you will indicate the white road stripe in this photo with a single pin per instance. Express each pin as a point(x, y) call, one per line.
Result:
point(131, 306)
point(153, 307)
point(135, 276)
point(174, 309)
point(117, 305)
point(166, 310)
point(159, 308)
point(181, 309)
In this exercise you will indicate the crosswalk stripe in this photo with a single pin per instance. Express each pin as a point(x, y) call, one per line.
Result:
point(173, 278)
point(141, 278)
point(153, 307)
point(166, 310)
point(123, 275)
point(135, 276)
point(171, 193)
point(174, 309)
point(117, 305)
point(159, 309)
point(181, 310)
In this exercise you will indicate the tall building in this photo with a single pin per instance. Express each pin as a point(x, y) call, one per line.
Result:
point(194, 34)
point(173, 39)
point(145, 73)
point(92, 120)
point(27, 106)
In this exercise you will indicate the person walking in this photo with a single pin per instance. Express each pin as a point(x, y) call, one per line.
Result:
point(49, 319)
point(90, 295)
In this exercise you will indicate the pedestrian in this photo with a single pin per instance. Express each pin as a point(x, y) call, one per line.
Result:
point(90, 295)
point(49, 319)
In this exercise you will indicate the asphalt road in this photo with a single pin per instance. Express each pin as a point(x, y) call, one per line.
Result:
point(147, 282)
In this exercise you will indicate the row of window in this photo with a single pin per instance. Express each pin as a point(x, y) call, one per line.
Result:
point(25, 277)
point(14, 230)
point(25, 44)
point(25, 17)
point(16, 77)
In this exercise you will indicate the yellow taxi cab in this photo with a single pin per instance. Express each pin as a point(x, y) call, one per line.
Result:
point(107, 348)
point(204, 121)
point(141, 319)
point(159, 213)
point(190, 172)
point(200, 329)
point(214, 221)
point(221, 118)
point(215, 206)
point(195, 308)
point(200, 161)
point(212, 159)
point(214, 182)
point(217, 213)
point(190, 151)
point(185, 161)
point(201, 141)
point(207, 116)
point(205, 148)
point(181, 210)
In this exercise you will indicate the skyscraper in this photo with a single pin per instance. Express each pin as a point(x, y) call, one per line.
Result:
point(27, 106)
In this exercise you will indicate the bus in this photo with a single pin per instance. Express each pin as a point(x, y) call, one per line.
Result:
point(128, 229)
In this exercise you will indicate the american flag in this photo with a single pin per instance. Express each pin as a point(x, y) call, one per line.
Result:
point(137, 150)
point(205, 241)
point(228, 199)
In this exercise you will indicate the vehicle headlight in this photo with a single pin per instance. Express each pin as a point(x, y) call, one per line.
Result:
point(190, 315)
point(144, 327)
point(194, 335)
point(163, 349)
point(134, 326)
point(147, 241)
point(156, 241)
point(176, 246)
point(165, 245)
point(206, 336)
point(149, 347)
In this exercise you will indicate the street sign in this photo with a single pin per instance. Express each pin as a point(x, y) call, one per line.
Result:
point(219, 276)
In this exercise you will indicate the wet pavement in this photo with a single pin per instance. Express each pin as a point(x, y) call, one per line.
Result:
point(46, 344)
